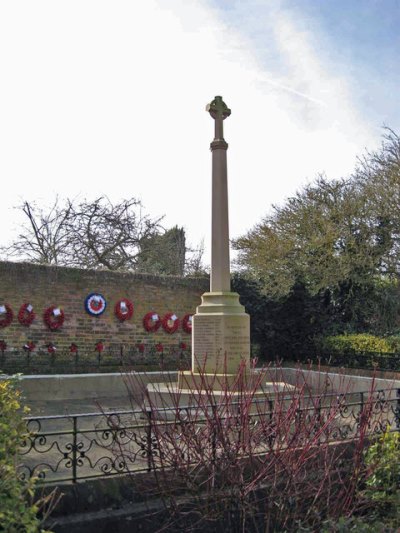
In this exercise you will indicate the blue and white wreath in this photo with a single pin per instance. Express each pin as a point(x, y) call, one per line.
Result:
point(95, 304)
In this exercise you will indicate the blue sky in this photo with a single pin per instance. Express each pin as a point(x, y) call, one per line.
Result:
point(360, 38)
point(108, 98)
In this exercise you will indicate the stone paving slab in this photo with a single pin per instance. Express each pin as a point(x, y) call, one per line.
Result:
point(78, 406)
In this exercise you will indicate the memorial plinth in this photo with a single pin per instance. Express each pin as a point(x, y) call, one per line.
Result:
point(220, 341)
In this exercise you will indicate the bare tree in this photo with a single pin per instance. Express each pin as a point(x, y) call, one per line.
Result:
point(89, 234)
point(194, 265)
point(109, 235)
point(44, 237)
point(102, 234)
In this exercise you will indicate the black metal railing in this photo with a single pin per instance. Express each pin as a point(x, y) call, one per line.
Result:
point(69, 448)
point(113, 358)
point(365, 360)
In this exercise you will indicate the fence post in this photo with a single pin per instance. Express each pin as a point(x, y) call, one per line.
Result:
point(74, 448)
point(148, 440)
point(271, 437)
point(319, 418)
point(214, 436)
point(361, 413)
point(397, 410)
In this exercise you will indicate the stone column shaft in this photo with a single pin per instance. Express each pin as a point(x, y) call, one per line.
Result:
point(220, 264)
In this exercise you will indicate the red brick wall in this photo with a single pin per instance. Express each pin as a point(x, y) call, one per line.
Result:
point(67, 288)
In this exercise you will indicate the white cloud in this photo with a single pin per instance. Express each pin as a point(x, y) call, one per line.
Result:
point(109, 98)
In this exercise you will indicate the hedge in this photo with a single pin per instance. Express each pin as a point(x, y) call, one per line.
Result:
point(357, 343)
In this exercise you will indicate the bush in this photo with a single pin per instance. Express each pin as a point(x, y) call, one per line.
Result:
point(356, 343)
point(229, 463)
point(383, 485)
point(394, 342)
point(17, 512)
point(379, 500)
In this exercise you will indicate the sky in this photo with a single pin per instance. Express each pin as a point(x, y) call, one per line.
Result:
point(108, 98)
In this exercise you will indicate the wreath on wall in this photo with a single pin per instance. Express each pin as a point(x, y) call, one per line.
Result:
point(6, 315)
point(54, 318)
point(124, 309)
point(170, 323)
point(187, 323)
point(26, 314)
point(151, 322)
point(95, 304)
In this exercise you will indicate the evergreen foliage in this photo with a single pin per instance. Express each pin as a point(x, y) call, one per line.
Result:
point(328, 260)
point(356, 343)
point(17, 510)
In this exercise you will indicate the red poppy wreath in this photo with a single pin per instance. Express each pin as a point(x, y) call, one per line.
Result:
point(151, 322)
point(124, 309)
point(187, 323)
point(26, 314)
point(54, 318)
point(6, 315)
point(170, 323)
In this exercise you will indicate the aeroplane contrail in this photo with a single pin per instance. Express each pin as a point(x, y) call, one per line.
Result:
point(293, 91)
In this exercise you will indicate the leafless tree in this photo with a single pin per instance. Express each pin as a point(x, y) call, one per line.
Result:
point(89, 234)
point(102, 234)
point(44, 237)
point(109, 235)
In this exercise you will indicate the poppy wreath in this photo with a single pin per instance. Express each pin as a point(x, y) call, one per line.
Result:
point(6, 315)
point(95, 304)
point(53, 317)
point(151, 322)
point(26, 315)
point(170, 323)
point(124, 309)
point(187, 323)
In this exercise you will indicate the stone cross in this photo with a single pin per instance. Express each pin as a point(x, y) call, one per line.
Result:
point(219, 112)
point(220, 267)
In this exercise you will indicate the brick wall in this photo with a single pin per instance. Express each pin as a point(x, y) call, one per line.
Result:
point(67, 288)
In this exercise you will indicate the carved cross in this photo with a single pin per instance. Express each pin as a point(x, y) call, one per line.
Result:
point(219, 111)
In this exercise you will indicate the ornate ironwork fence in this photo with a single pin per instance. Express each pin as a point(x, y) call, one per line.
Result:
point(84, 446)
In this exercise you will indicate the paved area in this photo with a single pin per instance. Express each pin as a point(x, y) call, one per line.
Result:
point(85, 405)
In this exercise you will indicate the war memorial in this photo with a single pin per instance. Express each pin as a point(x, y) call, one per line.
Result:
point(265, 424)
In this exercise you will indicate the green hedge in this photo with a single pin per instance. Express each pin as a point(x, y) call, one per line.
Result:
point(17, 511)
point(394, 341)
point(357, 343)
